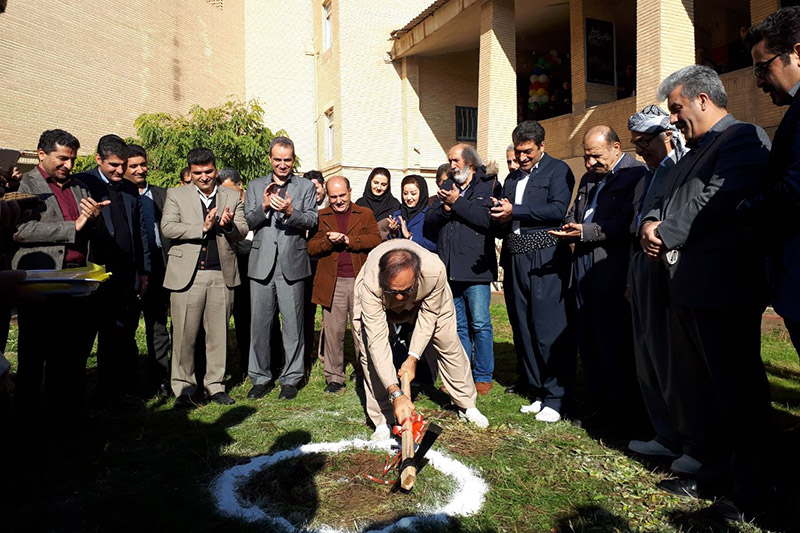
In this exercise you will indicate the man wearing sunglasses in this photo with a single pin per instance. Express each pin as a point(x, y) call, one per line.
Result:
point(401, 282)
point(775, 47)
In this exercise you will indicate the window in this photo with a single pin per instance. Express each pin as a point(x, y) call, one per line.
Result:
point(327, 27)
point(329, 134)
point(466, 123)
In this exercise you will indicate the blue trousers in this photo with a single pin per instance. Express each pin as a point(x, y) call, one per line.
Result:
point(475, 326)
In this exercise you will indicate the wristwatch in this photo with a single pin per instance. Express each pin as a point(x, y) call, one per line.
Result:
point(396, 394)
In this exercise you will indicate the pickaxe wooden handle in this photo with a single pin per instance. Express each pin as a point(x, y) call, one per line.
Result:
point(408, 470)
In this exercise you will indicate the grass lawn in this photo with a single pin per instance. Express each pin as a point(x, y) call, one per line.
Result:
point(151, 470)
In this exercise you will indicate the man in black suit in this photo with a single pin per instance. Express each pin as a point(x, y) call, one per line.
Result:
point(154, 302)
point(775, 47)
point(716, 288)
point(599, 224)
point(534, 200)
point(125, 253)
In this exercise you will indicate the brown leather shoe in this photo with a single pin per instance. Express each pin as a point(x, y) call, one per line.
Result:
point(483, 388)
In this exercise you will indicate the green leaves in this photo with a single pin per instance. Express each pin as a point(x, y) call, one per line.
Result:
point(234, 131)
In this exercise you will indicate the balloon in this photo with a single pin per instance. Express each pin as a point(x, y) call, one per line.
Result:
point(531, 92)
point(554, 53)
point(530, 105)
point(543, 78)
point(534, 78)
point(536, 71)
point(536, 86)
point(541, 91)
point(541, 61)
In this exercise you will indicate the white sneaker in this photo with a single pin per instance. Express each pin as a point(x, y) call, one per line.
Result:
point(548, 414)
point(474, 416)
point(686, 464)
point(533, 408)
point(651, 447)
point(381, 433)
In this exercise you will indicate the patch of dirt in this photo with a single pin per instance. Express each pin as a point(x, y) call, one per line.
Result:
point(331, 489)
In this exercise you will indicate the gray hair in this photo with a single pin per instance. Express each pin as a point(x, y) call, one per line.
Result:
point(693, 80)
point(471, 157)
point(510, 148)
point(283, 141)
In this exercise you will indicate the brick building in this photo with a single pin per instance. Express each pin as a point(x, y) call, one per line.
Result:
point(358, 83)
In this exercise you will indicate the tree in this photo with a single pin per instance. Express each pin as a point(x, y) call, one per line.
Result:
point(234, 131)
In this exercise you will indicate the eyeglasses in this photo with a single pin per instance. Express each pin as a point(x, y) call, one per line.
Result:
point(643, 143)
point(404, 292)
point(760, 69)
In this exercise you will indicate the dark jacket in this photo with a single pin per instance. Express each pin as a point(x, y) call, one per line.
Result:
point(774, 214)
point(362, 230)
point(465, 235)
point(159, 197)
point(717, 263)
point(103, 251)
point(607, 237)
point(544, 203)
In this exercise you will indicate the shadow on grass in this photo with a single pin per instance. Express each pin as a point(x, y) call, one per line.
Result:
point(591, 519)
point(150, 470)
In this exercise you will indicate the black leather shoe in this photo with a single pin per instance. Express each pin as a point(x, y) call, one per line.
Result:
point(288, 392)
point(184, 401)
point(518, 388)
point(685, 488)
point(164, 390)
point(222, 398)
point(726, 510)
point(259, 391)
point(333, 388)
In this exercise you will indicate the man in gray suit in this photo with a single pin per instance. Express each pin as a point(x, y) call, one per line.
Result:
point(280, 209)
point(717, 289)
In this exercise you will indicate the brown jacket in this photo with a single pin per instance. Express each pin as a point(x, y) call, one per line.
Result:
point(362, 230)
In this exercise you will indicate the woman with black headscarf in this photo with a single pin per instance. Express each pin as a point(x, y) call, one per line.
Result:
point(378, 198)
point(407, 222)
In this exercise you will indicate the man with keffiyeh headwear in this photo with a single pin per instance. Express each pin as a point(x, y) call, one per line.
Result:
point(661, 145)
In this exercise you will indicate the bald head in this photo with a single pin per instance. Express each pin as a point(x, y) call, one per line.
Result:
point(338, 188)
point(398, 271)
point(601, 149)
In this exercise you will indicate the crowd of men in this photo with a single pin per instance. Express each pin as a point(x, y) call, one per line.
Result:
point(656, 273)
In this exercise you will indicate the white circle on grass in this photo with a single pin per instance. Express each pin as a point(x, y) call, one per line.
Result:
point(466, 500)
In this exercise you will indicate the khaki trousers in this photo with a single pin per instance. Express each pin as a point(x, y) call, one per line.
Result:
point(334, 320)
point(448, 354)
point(207, 301)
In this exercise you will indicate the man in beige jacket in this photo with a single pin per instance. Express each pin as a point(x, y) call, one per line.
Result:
point(403, 282)
point(203, 222)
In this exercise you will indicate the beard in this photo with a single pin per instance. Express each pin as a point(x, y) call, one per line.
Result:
point(461, 176)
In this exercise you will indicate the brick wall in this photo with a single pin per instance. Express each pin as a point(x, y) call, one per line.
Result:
point(365, 89)
point(446, 81)
point(280, 72)
point(91, 68)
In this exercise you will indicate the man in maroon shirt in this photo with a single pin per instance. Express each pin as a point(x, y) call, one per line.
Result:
point(52, 333)
point(347, 232)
